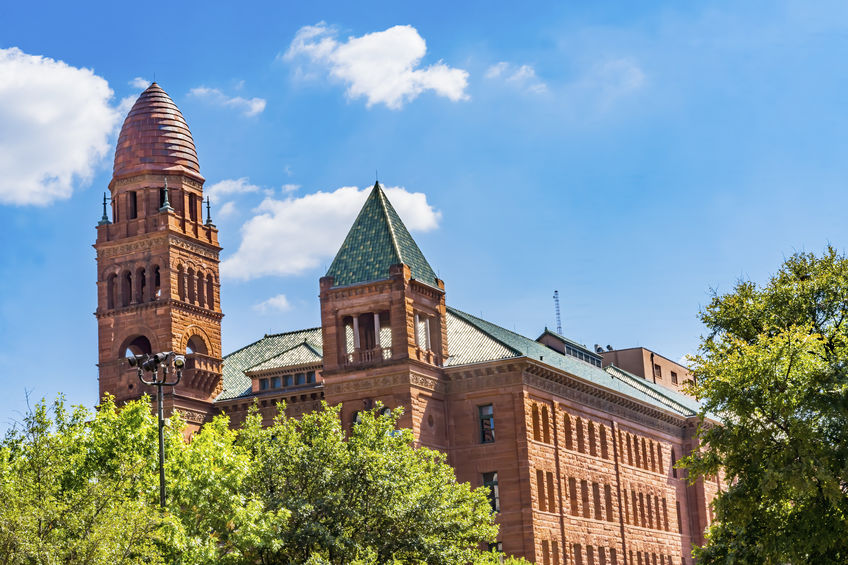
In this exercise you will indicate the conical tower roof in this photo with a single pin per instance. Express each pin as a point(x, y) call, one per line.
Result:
point(376, 241)
point(155, 138)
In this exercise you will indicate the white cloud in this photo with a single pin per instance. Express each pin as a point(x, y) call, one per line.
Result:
point(279, 303)
point(55, 124)
point(247, 106)
point(226, 210)
point(380, 66)
point(290, 187)
point(139, 82)
point(522, 76)
point(227, 187)
point(291, 236)
point(614, 78)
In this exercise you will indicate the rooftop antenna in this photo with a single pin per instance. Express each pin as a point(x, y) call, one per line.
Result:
point(556, 307)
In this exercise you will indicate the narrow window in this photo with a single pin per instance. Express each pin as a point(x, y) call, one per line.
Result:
point(635, 520)
point(581, 447)
point(679, 521)
point(613, 556)
point(629, 451)
point(642, 509)
point(555, 551)
point(191, 286)
point(201, 292)
point(540, 488)
point(551, 493)
point(572, 495)
point(590, 555)
point(566, 430)
point(491, 480)
point(653, 460)
point(592, 449)
point(263, 384)
point(126, 289)
point(161, 197)
point(288, 380)
point(157, 283)
point(644, 454)
point(673, 462)
point(546, 556)
point(275, 382)
point(299, 379)
point(546, 428)
point(665, 515)
point(486, 416)
point(626, 507)
point(673, 378)
point(596, 499)
point(659, 458)
point(650, 512)
point(210, 292)
point(657, 510)
point(578, 554)
point(657, 371)
point(192, 207)
point(639, 558)
point(637, 453)
point(310, 377)
point(537, 434)
point(602, 555)
point(180, 282)
point(604, 449)
point(132, 202)
point(608, 499)
point(111, 286)
point(584, 488)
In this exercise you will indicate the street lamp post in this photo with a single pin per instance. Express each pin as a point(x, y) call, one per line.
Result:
point(157, 365)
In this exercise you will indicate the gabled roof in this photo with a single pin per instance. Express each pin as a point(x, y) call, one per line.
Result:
point(300, 354)
point(376, 241)
point(236, 383)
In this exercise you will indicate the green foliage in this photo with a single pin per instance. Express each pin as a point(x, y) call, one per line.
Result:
point(774, 368)
point(81, 488)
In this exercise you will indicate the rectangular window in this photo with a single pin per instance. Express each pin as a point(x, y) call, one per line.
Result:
point(546, 556)
point(491, 480)
point(572, 495)
point(487, 423)
point(310, 376)
point(657, 371)
point(596, 499)
point(192, 207)
point(300, 378)
point(161, 197)
point(551, 493)
point(584, 489)
point(288, 380)
point(263, 384)
point(540, 488)
point(673, 378)
point(275, 382)
point(578, 554)
point(133, 205)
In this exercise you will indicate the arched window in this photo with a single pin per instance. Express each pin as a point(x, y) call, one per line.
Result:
point(201, 293)
point(581, 445)
point(546, 427)
point(592, 449)
point(126, 288)
point(210, 292)
point(111, 290)
point(604, 449)
point(157, 283)
point(181, 282)
point(196, 345)
point(138, 345)
point(569, 443)
point(141, 285)
point(192, 286)
point(537, 434)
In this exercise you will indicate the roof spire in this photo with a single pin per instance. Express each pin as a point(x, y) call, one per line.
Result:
point(166, 205)
point(208, 214)
point(105, 219)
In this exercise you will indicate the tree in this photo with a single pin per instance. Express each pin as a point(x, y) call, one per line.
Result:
point(80, 488)
point(774, 369)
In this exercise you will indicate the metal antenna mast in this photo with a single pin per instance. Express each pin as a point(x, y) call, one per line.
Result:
point(556, 306)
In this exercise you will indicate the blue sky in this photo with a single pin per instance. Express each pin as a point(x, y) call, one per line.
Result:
point(632, 156)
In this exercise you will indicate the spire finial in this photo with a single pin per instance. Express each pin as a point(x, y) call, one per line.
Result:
point(208, 214)
point(166, 205)
point(105, 219)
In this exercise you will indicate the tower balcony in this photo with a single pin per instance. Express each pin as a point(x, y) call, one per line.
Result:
point(368, 356)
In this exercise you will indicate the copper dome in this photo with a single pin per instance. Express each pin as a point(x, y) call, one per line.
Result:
point(155, 137)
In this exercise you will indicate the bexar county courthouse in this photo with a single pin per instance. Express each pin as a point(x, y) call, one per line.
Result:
point(578, 454)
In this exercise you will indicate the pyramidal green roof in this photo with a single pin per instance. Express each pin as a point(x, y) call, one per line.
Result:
point(376, 241)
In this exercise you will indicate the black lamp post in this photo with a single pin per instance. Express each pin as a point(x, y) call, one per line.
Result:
point(157, 365)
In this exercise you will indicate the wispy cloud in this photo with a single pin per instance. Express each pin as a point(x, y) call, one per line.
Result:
point(140, 83)
point(277, 303)
point(382, 66)
point(521, 76)
point(227, 187)
point(293, 235)
point(247, 106)
point(56, 123)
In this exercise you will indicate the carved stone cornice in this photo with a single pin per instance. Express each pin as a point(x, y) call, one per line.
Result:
point(147, 241)
point(370, 383)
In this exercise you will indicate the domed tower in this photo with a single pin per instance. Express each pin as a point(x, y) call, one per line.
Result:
point(157, 261)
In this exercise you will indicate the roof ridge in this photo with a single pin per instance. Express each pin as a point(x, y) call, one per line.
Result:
point(267, 336)
point(382, 196)
point(465, 316)
point(292, 348)
point(640, 384)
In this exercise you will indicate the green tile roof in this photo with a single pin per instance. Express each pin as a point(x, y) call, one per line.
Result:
point(376, 241)
point(236, 383)
point(300, 354)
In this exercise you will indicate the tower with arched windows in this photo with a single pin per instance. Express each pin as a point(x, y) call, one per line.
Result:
point(157, 260)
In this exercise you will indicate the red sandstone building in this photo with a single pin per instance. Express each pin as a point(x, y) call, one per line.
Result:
point(579, 457)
